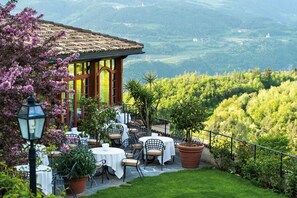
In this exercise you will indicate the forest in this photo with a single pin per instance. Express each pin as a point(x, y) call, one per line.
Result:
point(254, 106)
point(205, 36)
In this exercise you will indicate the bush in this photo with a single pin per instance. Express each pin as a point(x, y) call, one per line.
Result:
point(222, 156)
point(265, 173)
point(12, 184)
point(86, 163)
point(278, 142)
point(53, 137)
point(244, 152)
point(291, 183)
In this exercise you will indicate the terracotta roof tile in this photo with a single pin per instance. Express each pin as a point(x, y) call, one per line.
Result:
point(84, 41)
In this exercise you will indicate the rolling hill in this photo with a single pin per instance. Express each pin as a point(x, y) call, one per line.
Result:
point(204, 36)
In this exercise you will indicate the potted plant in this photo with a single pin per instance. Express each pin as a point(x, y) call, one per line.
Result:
point(96, 118)
point(85, 166)
point(188, 116)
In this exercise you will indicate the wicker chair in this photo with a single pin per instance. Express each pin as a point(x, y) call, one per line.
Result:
point(133, 163)
point(100, 171)
point(72, 140)
point(115, 134)
point(155, 148)
point(127, 146)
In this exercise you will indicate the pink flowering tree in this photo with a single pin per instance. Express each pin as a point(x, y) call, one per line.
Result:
point(28, 65)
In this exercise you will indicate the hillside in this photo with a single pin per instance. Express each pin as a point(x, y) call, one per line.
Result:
point(193, 35)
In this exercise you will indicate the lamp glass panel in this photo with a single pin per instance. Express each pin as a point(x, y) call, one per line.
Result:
point(36, 111)
point(39, 123)
point(24, 128)
point(23, 111)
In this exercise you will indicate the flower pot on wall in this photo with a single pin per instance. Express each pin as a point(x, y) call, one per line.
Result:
point(190, 155)
point(78, 185)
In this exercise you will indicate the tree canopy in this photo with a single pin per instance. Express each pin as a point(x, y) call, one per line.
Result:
point(29, 65)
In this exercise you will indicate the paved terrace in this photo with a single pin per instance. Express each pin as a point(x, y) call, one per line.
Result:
point(153, 169)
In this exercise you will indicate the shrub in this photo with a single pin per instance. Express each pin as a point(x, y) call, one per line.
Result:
point(278, 142)
point(53, 137)
point(86, 164)
point(291, 183)
point(12, 184)
point(264, 173)
point(222, 155)
point(244, 153)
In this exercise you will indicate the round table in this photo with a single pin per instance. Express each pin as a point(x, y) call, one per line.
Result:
point(42, 154)
point(44, 176)
point(113, 157)
point(73, 133)
point(169, 146)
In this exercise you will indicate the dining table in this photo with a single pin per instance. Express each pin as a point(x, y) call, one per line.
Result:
point(169, 151)
point(44, 176)
point(73, 133)
point(113, 157)
point(41, 153)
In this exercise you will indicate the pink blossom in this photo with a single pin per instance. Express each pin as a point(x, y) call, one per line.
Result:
point(24, 69)
point(65, 148)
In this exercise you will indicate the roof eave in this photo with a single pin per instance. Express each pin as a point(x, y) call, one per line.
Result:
point(105, 54)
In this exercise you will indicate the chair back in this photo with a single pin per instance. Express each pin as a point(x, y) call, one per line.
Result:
point(138, 155)
point(154, 144)
point(116, 128)
point(83, 142)
point(72, 139)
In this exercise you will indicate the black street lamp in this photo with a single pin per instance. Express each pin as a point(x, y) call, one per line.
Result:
point(31, 119)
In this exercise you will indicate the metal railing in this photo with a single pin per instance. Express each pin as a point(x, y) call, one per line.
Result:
point(255, 148)
point(166, 131)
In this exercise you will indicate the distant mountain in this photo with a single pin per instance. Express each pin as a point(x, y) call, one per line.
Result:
point(205, 36)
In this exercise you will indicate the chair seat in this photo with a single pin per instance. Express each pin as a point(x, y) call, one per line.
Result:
point(130, 162)
point(133, 130)
point(72, 146)
point(137, 146)
point(154, 152)
point(129, 155)
point(54, 153)
point(92, 141)
point(115, 136)
point(99, 165)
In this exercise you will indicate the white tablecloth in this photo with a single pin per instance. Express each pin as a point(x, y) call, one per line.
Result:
point(113, 157)
point(169, 147)
point(125, 132)
point(41, 152)
point(73, 133)
point(44, 177)
point(120, 117)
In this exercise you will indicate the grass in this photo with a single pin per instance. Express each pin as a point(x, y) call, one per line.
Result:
point(208, 183)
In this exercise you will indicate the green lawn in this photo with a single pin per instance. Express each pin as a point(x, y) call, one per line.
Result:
point(206, 183)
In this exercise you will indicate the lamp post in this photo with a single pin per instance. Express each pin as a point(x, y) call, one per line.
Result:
point(31, 119)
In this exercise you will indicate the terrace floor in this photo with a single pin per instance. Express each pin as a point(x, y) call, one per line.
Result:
point(152, 169)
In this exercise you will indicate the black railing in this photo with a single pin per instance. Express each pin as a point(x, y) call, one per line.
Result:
point(255, 148)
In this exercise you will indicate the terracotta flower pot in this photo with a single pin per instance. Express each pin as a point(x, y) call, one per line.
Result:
point(190, 155)
point(78, 185)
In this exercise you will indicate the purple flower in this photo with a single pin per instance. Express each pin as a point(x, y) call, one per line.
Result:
point(65, 148)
